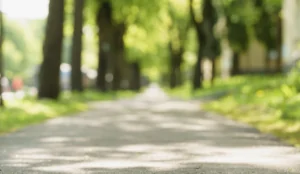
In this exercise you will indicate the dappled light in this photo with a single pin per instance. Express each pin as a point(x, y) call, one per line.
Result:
point(149, 86)
point(124, 136)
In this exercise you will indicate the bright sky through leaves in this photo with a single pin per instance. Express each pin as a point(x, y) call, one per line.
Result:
point(25, 9)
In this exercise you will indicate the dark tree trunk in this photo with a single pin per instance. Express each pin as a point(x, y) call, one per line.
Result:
point(197, 79)
point(173, 78)
point(198, 74)
point(211, 44)
point(175, 69)
point(1, 59)
point(213, 70)
point(175, 60)
point(179, 74)
point(235, 70)
point(119, 58)
point(102, 69)
point(179, 80)
point(50, 68)
point(267, 64)
point(279, 45)
point(178, 37)
point(125, 74)
point(116, 83)
point(172, 67)
point(209, 20)
point(135, 82)
point(76, 78)
point(104, 22)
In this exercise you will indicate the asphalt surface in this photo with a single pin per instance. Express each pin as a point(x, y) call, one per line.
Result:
point(148, 134)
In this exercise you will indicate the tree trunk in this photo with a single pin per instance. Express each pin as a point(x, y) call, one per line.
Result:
point(213, 70)
point(179, 80)
point(175, 61)
point(173, 78)
point(116, 83)
point(119, 58)
point(135, 83)
point(267, 64)
point(104, 22)
point(175, 71)
point(77, 47)
point(102, 69)
point(197, 79)
point(125, 75)
point(1, 60)
point(172, 67)
point(50, 68)
point(235, 70)
point(279, 45)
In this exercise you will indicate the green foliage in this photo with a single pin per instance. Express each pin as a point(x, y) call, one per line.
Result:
point(239, 17)
point(269, 103)
point(129, 11)
point(145, 23)
point(223, 87)
point(293, 79)
point(273, 6)
point(266, 26)
point(248, 17)
point(18, 114)
point(68, 23)
point(238, 36)
point(137, 11)
point(22, 46)
point(239, 11)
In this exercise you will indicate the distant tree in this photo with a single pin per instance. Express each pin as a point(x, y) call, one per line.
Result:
point(198, 75)
point(49, 79)
point(178, 30)
point(119, 55)
point(76, 77)
point(114, 20)
point(267, 28)
point(104, 22)
point(238, 40)
point(208, 45)
point(212, 44)
point(135, 81)
point(238, 20)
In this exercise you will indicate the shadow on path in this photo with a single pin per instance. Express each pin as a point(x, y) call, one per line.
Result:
point(145, 136)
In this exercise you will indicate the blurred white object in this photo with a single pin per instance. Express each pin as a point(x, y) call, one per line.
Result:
point(153, 93)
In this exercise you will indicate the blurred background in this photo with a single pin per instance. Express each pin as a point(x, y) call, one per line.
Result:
point(162, 41)
point(75, 51)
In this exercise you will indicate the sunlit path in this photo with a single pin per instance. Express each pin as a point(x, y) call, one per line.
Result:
point(148, 134)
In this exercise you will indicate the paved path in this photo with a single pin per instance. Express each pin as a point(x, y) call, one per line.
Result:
point(149, 134)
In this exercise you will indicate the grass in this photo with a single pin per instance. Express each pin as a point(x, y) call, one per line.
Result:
point(269, 103)
point(20, 113)
point(221, 86)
